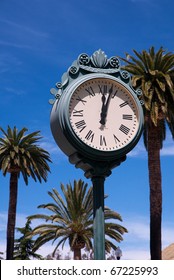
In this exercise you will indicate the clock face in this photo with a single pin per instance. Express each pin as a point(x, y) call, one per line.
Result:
point(104, 114)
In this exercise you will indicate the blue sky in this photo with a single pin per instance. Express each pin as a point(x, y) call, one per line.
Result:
point(39, 40)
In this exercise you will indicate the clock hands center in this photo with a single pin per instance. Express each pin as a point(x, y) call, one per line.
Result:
point(105, 106)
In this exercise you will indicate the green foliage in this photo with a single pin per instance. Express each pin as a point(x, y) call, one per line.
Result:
point(23, 249)
point(153, 72)
point(20, 153)
point(72, 219)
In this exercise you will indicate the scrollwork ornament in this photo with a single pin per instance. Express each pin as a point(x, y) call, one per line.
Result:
point(59, 85)
point(141, 101)
point(125, 75)
point(53, 91)
point(114, 62)
point(56, 93)
point(84, 59)
point(57, 96)
point(139, 92)
point(73, 70)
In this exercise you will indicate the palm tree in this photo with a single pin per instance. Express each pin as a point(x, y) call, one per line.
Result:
point(72, 220)
point(19, 154)
point(23, 247)
point(153, 72)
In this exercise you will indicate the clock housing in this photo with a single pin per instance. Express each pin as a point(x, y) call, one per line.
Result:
point(98, 116)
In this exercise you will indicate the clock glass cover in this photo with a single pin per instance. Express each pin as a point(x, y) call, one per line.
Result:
point(104, 114)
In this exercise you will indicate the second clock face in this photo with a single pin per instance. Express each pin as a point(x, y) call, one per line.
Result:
point(104, 114)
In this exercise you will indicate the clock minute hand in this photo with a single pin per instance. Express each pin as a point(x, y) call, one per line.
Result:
point(105, 106)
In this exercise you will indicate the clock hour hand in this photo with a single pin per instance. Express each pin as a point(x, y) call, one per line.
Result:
point(103, 114)
point(105, 105)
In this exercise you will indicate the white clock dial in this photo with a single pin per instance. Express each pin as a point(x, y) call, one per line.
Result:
point(104, 114)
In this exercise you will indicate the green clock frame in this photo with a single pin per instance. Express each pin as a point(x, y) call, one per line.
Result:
point(64, 135)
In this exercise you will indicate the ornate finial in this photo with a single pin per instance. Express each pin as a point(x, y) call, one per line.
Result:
point(99, 59)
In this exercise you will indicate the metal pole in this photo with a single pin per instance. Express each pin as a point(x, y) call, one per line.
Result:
point(99, 225)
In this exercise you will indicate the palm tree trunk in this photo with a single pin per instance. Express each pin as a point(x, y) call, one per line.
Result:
point(155, 190)
point(77, 254)
point(12, 214)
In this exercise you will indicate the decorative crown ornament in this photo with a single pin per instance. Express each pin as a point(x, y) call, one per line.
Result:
point(97, 63)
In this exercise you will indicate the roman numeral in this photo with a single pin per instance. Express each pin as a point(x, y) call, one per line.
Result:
point(124, 129)
point(90, 136)
point(80, 125)
point(127, 117)
point(81, 100)
point(116, 139)
point(90, 91)
point(124, 104)
point(102, 140)
point(78, 113)
point(103, 89)
point(114, 94)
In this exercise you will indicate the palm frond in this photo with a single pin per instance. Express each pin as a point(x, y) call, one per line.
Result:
point(153, 72)
point(72, 218)
point(21, 152)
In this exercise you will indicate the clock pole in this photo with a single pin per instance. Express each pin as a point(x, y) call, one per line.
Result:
point(98, 208)
point(98, 172)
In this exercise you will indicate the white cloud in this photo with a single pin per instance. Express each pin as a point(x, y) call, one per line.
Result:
point(138, 231)
point(15, 45)
point(138, 151)
point(168, 235)
point(136, 254)
point(22, 28)
point(136, 243)
point(168, 145)
point(19, 92)
point(168, 151)
point(53, 149)
point(3, 221)
point(50, 146)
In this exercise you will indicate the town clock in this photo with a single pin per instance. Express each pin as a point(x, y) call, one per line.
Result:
point(98, 115)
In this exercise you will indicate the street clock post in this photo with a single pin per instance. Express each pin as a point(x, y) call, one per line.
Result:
point(96, 119)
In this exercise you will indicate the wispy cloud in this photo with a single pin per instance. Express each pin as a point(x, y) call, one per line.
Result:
point(15, 91)
point(167, 150)
point(168, 145)
point(168, 234)
point(8, 62)
point(3, 221)
point(22, 27)
point(21, 36)
point(136, 254)
point(138, 151)
point(139, 229)
point(52, 148)
point(15, 45)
